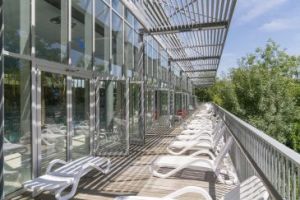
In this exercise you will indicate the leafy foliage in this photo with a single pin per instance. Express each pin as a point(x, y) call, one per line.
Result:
point(263, 92)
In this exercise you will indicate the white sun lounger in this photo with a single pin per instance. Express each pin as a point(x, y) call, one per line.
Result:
point(181, 147)
point(200, 134)
point(67, 175)
point(178, 163)
point(251, 189)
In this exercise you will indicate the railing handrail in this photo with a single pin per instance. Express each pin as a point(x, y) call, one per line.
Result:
point(286, 151)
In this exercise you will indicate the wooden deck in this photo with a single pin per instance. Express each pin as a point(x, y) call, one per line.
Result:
point(130, 175)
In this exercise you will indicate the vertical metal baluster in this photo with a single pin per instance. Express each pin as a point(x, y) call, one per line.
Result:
point(275, 170)
point(294, 184)
point(272, 165)
point(298, 184)
point(279, 171)
point(288, 179)
point(283, 178)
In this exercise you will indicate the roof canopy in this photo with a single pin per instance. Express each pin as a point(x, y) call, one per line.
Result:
point(192, 31)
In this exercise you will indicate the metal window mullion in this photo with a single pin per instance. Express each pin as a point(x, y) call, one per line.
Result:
point(70, 128)
point(34, 136)
point(94, 109)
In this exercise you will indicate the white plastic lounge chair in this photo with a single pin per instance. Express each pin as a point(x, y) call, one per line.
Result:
point(65, 176)
point(181, 147)
point(251, 189)
point(178, 163)
point(196, 134)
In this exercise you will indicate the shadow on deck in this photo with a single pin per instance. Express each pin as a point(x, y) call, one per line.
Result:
point(130, 175)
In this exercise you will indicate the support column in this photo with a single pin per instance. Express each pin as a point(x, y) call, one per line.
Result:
point(1, 107)
point(141, 65)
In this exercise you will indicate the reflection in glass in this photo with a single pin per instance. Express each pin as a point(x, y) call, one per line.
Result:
point(178, 102)
point(53, 117)
point(134, 112)
point(118, 6)
point(155, 62)
point(129, 17)
point(102, 37)
point(136, 51)
point(17, 123)
point(111, 137)
point(149, 108)
point(81, 51)
point(117, 45)
point(128, 47)
point(17, 26)
point(81, 114)
point(149, 61)
point(51, 15)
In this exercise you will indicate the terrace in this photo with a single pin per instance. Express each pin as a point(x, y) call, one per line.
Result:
point(121, 89)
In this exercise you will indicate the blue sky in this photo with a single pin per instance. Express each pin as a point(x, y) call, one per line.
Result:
point(256, 21)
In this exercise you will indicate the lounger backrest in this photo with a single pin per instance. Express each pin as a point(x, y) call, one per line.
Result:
point(73, 167)
point(222, 153)
point(250, 189)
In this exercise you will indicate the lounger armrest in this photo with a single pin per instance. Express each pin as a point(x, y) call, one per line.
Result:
point(54, 162)
point(189, 189)
point(203, 152)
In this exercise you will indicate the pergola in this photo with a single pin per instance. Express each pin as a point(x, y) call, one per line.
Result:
point(192, 31)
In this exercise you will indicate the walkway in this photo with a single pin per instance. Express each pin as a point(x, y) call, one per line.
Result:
point(130, 175)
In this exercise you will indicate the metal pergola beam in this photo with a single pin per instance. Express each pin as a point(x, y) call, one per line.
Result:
point(194, 58)
point(187, 28)
point(202, 77)
point(200, 70)
point(193, 46)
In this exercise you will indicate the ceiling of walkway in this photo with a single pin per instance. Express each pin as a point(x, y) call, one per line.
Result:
point(193, 32)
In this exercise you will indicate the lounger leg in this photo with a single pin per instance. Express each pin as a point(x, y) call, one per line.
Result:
point(69, 195)
point(35, 193)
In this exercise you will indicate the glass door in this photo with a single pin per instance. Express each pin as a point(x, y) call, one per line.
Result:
point(136, 135)
point(111, 136)
point(80, 115)
point(53, 118)
point(63, 116)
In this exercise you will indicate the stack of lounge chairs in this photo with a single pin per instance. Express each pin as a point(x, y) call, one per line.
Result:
point(203, 145)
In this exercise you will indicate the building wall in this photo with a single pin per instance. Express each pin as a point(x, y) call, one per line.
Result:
point(67, 68)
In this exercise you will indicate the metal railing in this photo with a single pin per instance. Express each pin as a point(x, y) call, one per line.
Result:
point(255, 152)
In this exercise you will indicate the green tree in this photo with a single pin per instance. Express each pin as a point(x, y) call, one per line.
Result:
point(263, 92)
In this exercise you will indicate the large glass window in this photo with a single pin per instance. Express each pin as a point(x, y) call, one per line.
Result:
point(53, 117)
point(102, 37)
point(129, 17)
point(149, 108)
point(155, 62)
point(136, 51)
point(149, 60)
point(51, 33)
point(117, 45)
point(17, 123)
point(81, 51)
point(128, 47)
point(134, 112)
point(118, 6)
point(17, 26)
point(81, 115)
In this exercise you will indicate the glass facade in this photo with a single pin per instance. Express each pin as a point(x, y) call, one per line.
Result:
point(17, 123)
point(69, 83)
point(82, 38)
point(51, 15)
point(102, 37)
